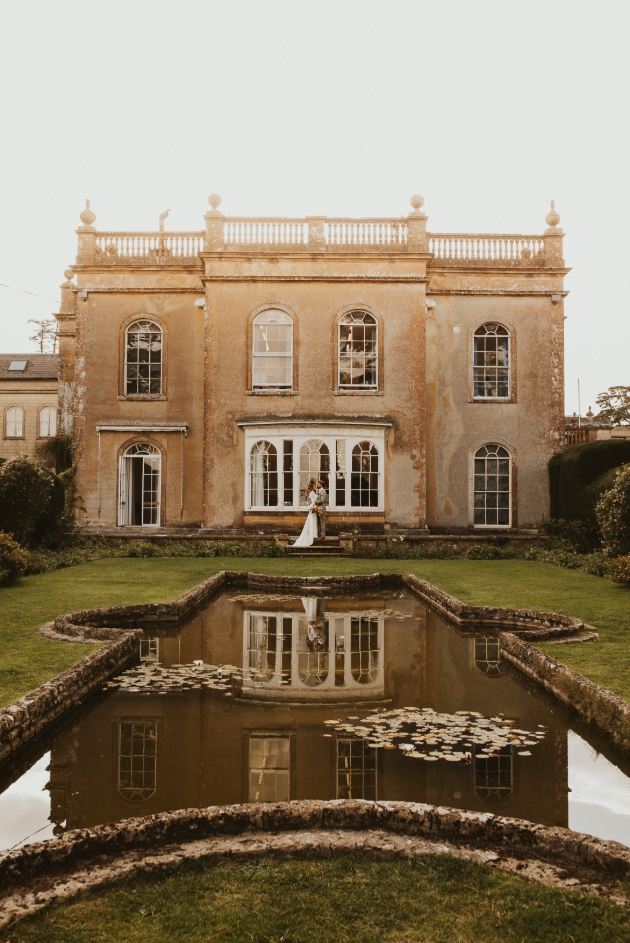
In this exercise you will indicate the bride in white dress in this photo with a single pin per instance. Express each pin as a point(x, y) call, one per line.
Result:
point(309, 531)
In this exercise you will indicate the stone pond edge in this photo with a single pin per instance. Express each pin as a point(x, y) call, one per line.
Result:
point(36, 874)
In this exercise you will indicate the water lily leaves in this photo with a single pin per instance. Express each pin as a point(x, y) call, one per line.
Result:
point(423, 733)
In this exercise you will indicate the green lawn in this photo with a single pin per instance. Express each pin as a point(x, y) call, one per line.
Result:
point(353, 899)
point(27, 659)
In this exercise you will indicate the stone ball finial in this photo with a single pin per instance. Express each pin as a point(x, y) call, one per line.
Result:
point(214, 200)
point(552, 218)
point(87, 217)
point(417, 202)
point(68, 274)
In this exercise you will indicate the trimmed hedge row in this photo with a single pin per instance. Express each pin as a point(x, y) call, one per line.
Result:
point(579, 476)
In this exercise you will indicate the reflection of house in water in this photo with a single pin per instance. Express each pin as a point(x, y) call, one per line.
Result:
point(308, 661)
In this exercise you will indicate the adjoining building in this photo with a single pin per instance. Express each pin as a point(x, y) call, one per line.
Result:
point(28, 401)
point(208, 376)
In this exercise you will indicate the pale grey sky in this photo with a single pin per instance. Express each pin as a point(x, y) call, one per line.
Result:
point(285, 107)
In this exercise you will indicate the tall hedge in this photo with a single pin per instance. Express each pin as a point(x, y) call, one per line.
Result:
point(573, 473)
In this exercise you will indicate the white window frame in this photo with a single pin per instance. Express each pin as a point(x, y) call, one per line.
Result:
point(12, 423)
point(474, 452)
point(329, 435)
point(507, 367)
point(144, 326)
point(272, 316)
point(44, 424)
point(343, 322)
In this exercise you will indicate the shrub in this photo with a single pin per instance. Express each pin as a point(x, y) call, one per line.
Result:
point(26, 495)
point(619, 569)
point(580, 536)
point(14, 560)
point(573, 471)
point(596, 564)
point(613, 515)
point(490, 552)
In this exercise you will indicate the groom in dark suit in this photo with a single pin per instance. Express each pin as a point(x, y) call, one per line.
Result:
point(321, 500)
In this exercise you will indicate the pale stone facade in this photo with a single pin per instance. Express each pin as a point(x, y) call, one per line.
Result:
point(28, 401)
point(207, 376)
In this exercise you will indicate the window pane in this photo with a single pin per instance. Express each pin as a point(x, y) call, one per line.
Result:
point(490, 362)
point(358, 340)
point(491, 484)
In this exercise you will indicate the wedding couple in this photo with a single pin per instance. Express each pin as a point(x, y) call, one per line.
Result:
point(315, 525)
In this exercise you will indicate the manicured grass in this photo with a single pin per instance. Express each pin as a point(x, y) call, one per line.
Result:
point(354, 899)
point(27, 659)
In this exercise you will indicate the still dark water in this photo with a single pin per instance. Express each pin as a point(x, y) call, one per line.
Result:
point(178, 735)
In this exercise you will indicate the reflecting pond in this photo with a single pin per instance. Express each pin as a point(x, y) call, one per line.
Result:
point(233, 707)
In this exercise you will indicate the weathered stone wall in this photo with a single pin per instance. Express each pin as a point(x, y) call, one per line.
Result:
point(530, 424)
point(39, 873)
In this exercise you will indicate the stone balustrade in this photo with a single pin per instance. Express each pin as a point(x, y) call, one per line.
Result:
point(147, 246)
point(493, 249)
point(321, 234)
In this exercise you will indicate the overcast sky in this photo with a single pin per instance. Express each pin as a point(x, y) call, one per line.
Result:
point(489, 109)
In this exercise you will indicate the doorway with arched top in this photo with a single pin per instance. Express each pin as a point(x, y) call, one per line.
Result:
point(140, 485)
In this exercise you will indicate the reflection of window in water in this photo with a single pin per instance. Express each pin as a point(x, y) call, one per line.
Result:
point(150, 650)
point(356, 769)
point(137, 749)
point(262, 646)
point(268, 768)
point(488, 656)
point(364, 658)
point(494, 775)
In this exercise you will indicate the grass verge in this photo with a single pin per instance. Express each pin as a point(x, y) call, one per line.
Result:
point(432, 900)
point(27, 659)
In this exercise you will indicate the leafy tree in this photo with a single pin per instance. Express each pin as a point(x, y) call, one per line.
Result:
point(613, 515)
point(55, 452)
point(615, 405)
point(26, 494)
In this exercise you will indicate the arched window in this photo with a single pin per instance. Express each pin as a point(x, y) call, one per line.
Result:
point(263, 464)
point(139, 501)
point(314, 466)
point(492, 487)
point(14, 423)
point(272, 350)
point(491, 364)
point(143, 358)
point(494, 775)
point(137, 754)
point(358, 351)
point(364, 483)
point(488, 656)
point(47, 422)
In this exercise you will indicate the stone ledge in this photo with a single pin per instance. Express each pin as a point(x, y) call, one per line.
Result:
point(37, 874)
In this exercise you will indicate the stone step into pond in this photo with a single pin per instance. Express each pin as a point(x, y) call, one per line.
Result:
point(267, 696)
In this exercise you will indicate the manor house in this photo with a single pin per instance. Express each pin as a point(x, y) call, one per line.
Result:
point(208, 376)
